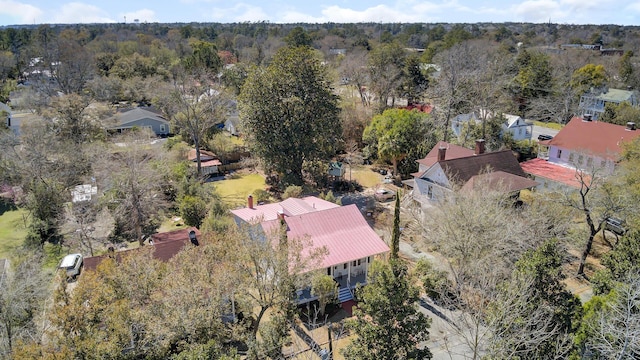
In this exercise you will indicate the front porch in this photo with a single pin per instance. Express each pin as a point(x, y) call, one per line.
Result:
point(346, 288)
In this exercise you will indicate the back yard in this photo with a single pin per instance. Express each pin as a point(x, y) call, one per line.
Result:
point(12, 229)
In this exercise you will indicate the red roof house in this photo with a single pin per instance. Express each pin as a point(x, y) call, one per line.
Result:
point(582, 145)
point(350, 241)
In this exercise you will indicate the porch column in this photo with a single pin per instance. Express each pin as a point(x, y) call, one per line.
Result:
point(349, 274)
point(366, 269)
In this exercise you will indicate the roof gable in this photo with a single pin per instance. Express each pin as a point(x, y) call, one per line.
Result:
point(463, 169)
point(138, 114)
point(453, 152)
point(593, 137)
point(289, 207)
point(342, 230)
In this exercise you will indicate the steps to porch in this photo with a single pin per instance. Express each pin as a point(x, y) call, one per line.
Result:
point(344, 295)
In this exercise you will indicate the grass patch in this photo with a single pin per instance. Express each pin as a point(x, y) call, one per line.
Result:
point(550, 125)
point(12, 231)
point(234, 192)
point(364, 176)
point(236, 140)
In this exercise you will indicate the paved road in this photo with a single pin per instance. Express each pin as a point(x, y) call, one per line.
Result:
point(539, 130)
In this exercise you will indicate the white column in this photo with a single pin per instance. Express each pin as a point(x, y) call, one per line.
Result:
point(349, 274)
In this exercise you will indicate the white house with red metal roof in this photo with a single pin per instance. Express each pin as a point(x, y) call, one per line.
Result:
point(349, 240)
point(582, 145)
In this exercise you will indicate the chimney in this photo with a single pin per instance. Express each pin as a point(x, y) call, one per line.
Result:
point(586, 117)
point(442, 152)
point(631, 126)
point(281, 216)
point(193, 238)
point(250, 202)
point(479, 147)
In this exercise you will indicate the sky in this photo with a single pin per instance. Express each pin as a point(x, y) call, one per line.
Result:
point(14, 12)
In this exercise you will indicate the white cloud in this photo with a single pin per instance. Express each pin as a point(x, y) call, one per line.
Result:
point(239, 13)
point(75, 12)
point(538, 11)
point(27, 14)
point(143, 15)
point(377, 13)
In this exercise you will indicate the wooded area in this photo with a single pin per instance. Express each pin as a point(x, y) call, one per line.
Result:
point(306, 95)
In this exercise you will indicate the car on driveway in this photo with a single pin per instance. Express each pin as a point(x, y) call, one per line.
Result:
point(384, 194)
point(72, 265)
point(543, 137)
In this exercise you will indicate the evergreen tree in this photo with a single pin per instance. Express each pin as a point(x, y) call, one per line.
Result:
point(387, 323)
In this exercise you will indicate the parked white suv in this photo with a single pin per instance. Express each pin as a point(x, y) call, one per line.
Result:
point(71, 264)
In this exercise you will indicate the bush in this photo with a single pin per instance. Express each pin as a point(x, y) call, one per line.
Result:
point(435, 282)
point(193, 210)
point(292, 191)
point(261, 195)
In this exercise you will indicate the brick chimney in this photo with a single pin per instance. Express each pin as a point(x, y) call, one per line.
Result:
point(250, 202)
point(479, 147)
point(442, 152)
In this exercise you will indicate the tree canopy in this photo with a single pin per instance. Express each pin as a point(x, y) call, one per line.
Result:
point(290, 114)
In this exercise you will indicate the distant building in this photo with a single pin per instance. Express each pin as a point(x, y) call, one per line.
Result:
point(594, 102)
point(140, 118)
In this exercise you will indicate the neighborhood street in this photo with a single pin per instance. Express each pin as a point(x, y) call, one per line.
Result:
point(541, 130)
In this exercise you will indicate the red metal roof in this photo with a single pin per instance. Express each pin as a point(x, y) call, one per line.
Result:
point(593, 137)
point(554, 172)
point(289, 207)
point(343, 230)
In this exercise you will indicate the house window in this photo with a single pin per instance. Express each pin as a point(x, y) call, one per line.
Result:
point(590, 162)
point(430, 192)
point(368, 259)
point(580, 160)
point(162, 128)
point(358, 262)
point(559, 156)
point(345, 266)
point(603, 163)
point(353, 263)
point(571, 157)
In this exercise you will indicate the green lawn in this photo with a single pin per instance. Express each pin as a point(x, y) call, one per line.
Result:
point(364, 176)
point(234, 192)
point(12, 230)
point(550, 125)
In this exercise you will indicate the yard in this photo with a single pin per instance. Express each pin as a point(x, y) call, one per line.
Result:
point(364, 176)
point(234, 191)
point(12, 229)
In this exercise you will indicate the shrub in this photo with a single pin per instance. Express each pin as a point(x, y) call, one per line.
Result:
point(292, 191)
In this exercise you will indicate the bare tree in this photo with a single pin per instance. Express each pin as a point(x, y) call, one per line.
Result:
point(596, 199)
point(22, 293)
point(132, 181)
point(615, 334)
point(481, 235)
point(354, 70)
point(450, 91)
point(196, 103)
